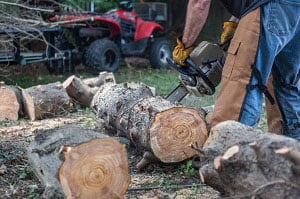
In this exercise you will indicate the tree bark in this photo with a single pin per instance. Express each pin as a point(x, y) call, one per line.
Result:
point(110, 98)
point(107, 160)
point(243, 162)
point(45, 101)
point(9, 103)
point(162, 130)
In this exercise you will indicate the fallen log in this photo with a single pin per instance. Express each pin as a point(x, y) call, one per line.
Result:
point(90, 158)
point(103, 78)
point(243, 162)
point(10, 103)
point(44, 101)
point(162, 130)
point(78, 91)
point(110, 98)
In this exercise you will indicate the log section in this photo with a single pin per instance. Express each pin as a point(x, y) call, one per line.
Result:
point(103, 78)
point(9, 103)
point(96, 169)
point(243, 162)
point(154, 125)
point(45, 101)
point(45, 157)
point(78, 91)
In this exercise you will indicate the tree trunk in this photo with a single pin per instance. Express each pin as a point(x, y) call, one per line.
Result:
point(161, 129)
point(45, 101)
point(107, 161)
point(78, 91)
point(96, 168)
point(9, 103)
point(243, 162)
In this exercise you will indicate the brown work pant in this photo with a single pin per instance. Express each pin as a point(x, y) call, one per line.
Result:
point(237, 73)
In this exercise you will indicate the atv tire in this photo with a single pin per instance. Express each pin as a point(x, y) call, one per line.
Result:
point(102, 55)
point(160, 50)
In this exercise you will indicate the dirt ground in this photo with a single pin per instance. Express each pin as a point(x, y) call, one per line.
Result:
point(17, 180)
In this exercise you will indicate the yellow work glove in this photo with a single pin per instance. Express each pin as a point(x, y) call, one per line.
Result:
point(180, 53)
point(229, 28)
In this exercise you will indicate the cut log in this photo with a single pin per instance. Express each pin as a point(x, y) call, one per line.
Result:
point(96, 169)
point(78, 91)
point(110, 98)
point(9, 103)
point(153, 124)
point(44, 101)
point(103, 78)
point(45, 157)
point(243, 162)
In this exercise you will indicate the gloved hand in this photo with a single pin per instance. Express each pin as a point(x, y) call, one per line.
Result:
point(180, 53)
point(229, 28)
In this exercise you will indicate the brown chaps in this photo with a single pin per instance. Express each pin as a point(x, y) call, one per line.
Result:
point(237, 73)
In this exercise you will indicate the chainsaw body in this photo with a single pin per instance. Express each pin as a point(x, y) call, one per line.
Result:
point(202, 73)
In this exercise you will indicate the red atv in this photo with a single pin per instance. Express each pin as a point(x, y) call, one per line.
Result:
point(101, 39)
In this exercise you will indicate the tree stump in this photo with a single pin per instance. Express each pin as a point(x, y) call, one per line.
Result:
point(45, 157)
point(96, 169)
point(162, 130)
point(10, 104)
point(44, 101)
point(243, 162)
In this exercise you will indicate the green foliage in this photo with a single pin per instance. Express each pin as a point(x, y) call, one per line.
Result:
point(188, 168)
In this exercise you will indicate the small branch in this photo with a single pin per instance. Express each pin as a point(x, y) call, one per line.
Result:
point(231, 152)
point(26, 7)
point(290, 154)
point(146, 160)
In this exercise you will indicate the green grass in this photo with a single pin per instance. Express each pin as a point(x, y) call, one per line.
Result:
point(29, 81)
point(163, 80)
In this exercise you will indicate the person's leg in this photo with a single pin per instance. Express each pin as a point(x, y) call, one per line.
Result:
point(237, 69)
point(287, 85)
point(238, 99)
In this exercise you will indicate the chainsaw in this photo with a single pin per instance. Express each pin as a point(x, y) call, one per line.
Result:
point(202, 72)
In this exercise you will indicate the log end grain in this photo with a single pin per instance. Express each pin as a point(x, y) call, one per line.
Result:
point(174, 131)
point(9, 106)
point(96, 168)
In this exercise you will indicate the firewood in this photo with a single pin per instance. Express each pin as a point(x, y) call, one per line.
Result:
point(77, 90)
point(109, 98)
point(173, 131)
point(103, 78)
point(96, 169)
point(244, 162)
point(44, 101)
point(45, 157)
point(9, 103)
point(153, 124)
